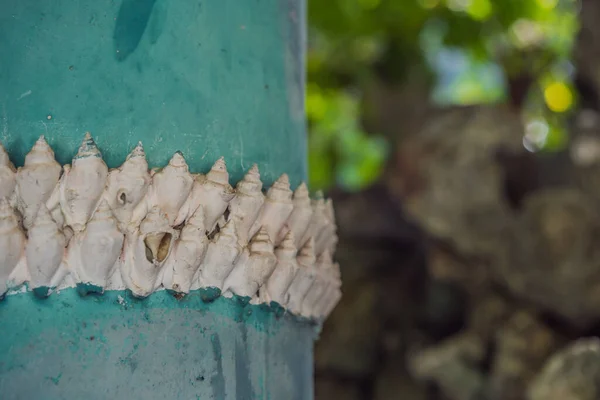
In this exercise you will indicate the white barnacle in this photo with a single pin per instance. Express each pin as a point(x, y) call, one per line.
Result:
point(187, 255)
point(169, 190)
point(211, 191)
point(317, 221)
point(134, 228)
point(246, 205)
point(36, 180)
point(246, 278)
point(12, 246)
point(326, 239)
point(82, 185)
point(299, 219)
point(310, 304)
point(277, 208)
point(333, 294)
point(220, 257)
point(44, 251)
point(145, 252)
point(127, 186)
point(303, 279)
point(277, 286)
point(93, 253)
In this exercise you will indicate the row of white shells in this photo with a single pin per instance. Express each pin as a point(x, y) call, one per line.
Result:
point(131, 227)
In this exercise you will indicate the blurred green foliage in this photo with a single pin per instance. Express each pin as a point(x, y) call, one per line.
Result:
point(338, 149)
point(472, 49)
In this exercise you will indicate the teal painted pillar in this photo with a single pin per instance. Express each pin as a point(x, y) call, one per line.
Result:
point(116, 347)
point(207, 78)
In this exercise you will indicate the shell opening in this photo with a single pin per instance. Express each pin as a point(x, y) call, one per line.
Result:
point(121, 197)
point(157, 246)
point(163, 248)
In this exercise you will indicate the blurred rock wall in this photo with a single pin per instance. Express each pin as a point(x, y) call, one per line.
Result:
point(467, 270)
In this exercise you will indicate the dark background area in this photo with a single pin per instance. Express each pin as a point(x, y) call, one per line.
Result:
point(460, 142)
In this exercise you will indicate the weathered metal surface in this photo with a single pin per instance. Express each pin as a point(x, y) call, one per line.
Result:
point(116, 346)
point(208, 78)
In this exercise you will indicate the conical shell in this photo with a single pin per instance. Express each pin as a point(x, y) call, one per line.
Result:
point(12, 243)
point(83, 184)
point(306, 257)
point(280, 191)
point(127, 186)
point(218, 172)
point(245, 279)
point(36, 180)
point(187, 255)
point(45, 249)
point(327, 233)
point(300, 217)
point(220, 258)
point(88, 148)
point(277, 208)
point(246, 205)
point(213, 192)
point(7, 175)
point(335, 294)
point(138, 153)
point(147, 204)
point(177, 161)
point(97, 248)
point(261, 243)
point(171, 187)
point(40, 154)
point(317, 220)
point(251, 182)
point(277, 286)
point(319, 288)
point(145, 252)
point(303, 279)
point(287, 249)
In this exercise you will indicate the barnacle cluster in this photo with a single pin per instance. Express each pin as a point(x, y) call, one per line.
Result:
point(83, 225)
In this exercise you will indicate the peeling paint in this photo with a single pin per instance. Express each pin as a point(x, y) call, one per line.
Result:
point(156, 347)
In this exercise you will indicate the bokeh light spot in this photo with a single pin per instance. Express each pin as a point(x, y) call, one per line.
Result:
point(526, 33)
point(558, 96)
point(536, 134)
point(316, 105)
point(480, 9)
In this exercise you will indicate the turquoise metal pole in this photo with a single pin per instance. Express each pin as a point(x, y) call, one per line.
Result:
point(207, 78)
point(116, 347)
